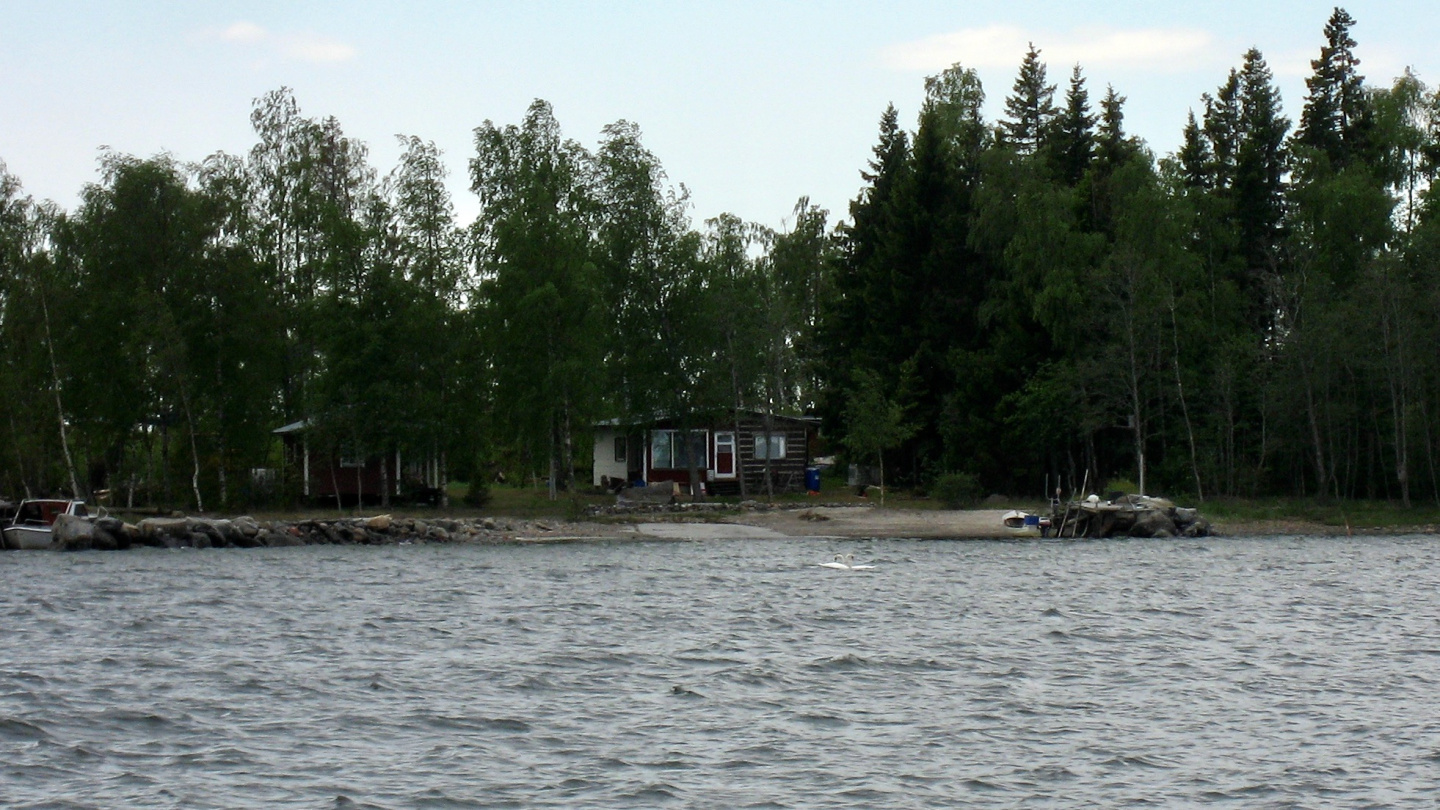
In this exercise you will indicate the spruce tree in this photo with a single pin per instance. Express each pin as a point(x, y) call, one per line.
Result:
point(1221, 127)
point(1196, 159)
point(1260, 164)
point(1113, 146)
point(1073, 133)
point(1030, 108)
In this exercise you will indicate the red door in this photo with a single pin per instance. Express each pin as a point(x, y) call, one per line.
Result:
point(724, 455)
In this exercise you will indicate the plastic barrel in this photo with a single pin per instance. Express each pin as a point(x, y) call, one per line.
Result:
point(812, 479)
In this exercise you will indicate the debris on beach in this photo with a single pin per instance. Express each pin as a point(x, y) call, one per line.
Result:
point(1127, 516)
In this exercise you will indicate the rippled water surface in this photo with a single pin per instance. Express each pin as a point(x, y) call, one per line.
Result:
point(1280, 672)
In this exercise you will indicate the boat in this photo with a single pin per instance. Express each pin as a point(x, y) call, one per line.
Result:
point(1024, 524)
point(35, 519)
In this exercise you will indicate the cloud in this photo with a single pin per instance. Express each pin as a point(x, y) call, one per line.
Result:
point(298, 47)
point(1003, 46)
point(243, 32)
point(317, 49)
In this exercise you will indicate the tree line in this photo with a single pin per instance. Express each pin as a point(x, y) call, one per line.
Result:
point(1036, 298)
point(1255, 314)
point(156, 335)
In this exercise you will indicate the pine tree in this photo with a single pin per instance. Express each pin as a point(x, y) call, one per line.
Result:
point(1337, 118)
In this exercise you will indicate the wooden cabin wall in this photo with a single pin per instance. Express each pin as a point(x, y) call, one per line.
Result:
point(789, 472)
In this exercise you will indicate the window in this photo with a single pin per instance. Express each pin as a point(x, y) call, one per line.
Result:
point(620, 445)
point(668, 452)
point(774, 448)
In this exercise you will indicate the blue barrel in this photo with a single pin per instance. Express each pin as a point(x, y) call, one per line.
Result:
point(812, 479)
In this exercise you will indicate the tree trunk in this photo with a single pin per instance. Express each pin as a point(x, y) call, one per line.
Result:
point(194, 451)
point(335, 486)
point(551, 487)
point(737, 466)
point(384, 481)
point(1399, 394)
point(359, 478)
point(880, 456)
point(1322, 476)
point(1184, 410)
point(769, 474)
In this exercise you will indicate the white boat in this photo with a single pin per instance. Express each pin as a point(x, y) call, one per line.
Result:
point(34, 521)
point(1021, 524)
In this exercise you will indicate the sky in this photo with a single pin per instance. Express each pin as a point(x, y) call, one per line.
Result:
point(749, 105)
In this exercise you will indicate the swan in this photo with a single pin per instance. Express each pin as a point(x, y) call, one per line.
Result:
point(846, 562)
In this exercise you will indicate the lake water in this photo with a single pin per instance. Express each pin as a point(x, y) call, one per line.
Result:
point(1274, 672)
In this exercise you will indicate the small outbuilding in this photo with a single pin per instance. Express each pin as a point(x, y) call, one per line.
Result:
point(347, 478)
point(745, 446)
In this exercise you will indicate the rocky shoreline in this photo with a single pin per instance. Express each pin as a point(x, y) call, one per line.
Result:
point(618, 521)
point(113, 534)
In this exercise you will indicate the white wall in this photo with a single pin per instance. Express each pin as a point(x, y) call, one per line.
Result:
point(605, 463)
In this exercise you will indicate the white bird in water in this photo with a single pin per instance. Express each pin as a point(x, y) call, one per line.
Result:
point(846, 562)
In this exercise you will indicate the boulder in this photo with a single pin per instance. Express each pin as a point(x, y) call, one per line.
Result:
point(222, 533)
point(114, 531)
point(247, 526)
point(281, 539)
point(1200, 527)
point(379, 523)
point(71, 533)
point(156, 529)
point(1162, 504)
point(1152, 523)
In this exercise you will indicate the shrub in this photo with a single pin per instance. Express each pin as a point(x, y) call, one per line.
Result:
point(1122, 485)
point(956, 490)
point(478, 494)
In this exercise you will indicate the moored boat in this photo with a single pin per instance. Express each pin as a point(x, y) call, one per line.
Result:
point(34, 522)
point(1021, 524)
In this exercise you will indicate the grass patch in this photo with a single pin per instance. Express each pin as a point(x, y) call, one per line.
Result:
point(1369, 514)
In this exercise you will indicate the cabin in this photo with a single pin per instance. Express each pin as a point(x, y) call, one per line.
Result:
point(740, 446)
point(348, 478)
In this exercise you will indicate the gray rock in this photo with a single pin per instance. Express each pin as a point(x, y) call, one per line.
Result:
point(159, 528)
point(1200, 527)
point(71, 533)
point(280, 539)
point(1152, 523)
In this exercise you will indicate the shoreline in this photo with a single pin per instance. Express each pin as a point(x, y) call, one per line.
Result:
point(674, 523)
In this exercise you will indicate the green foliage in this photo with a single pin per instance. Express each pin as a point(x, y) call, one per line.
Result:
point(957, 490)
point(477, 494)
point(1036, 298)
